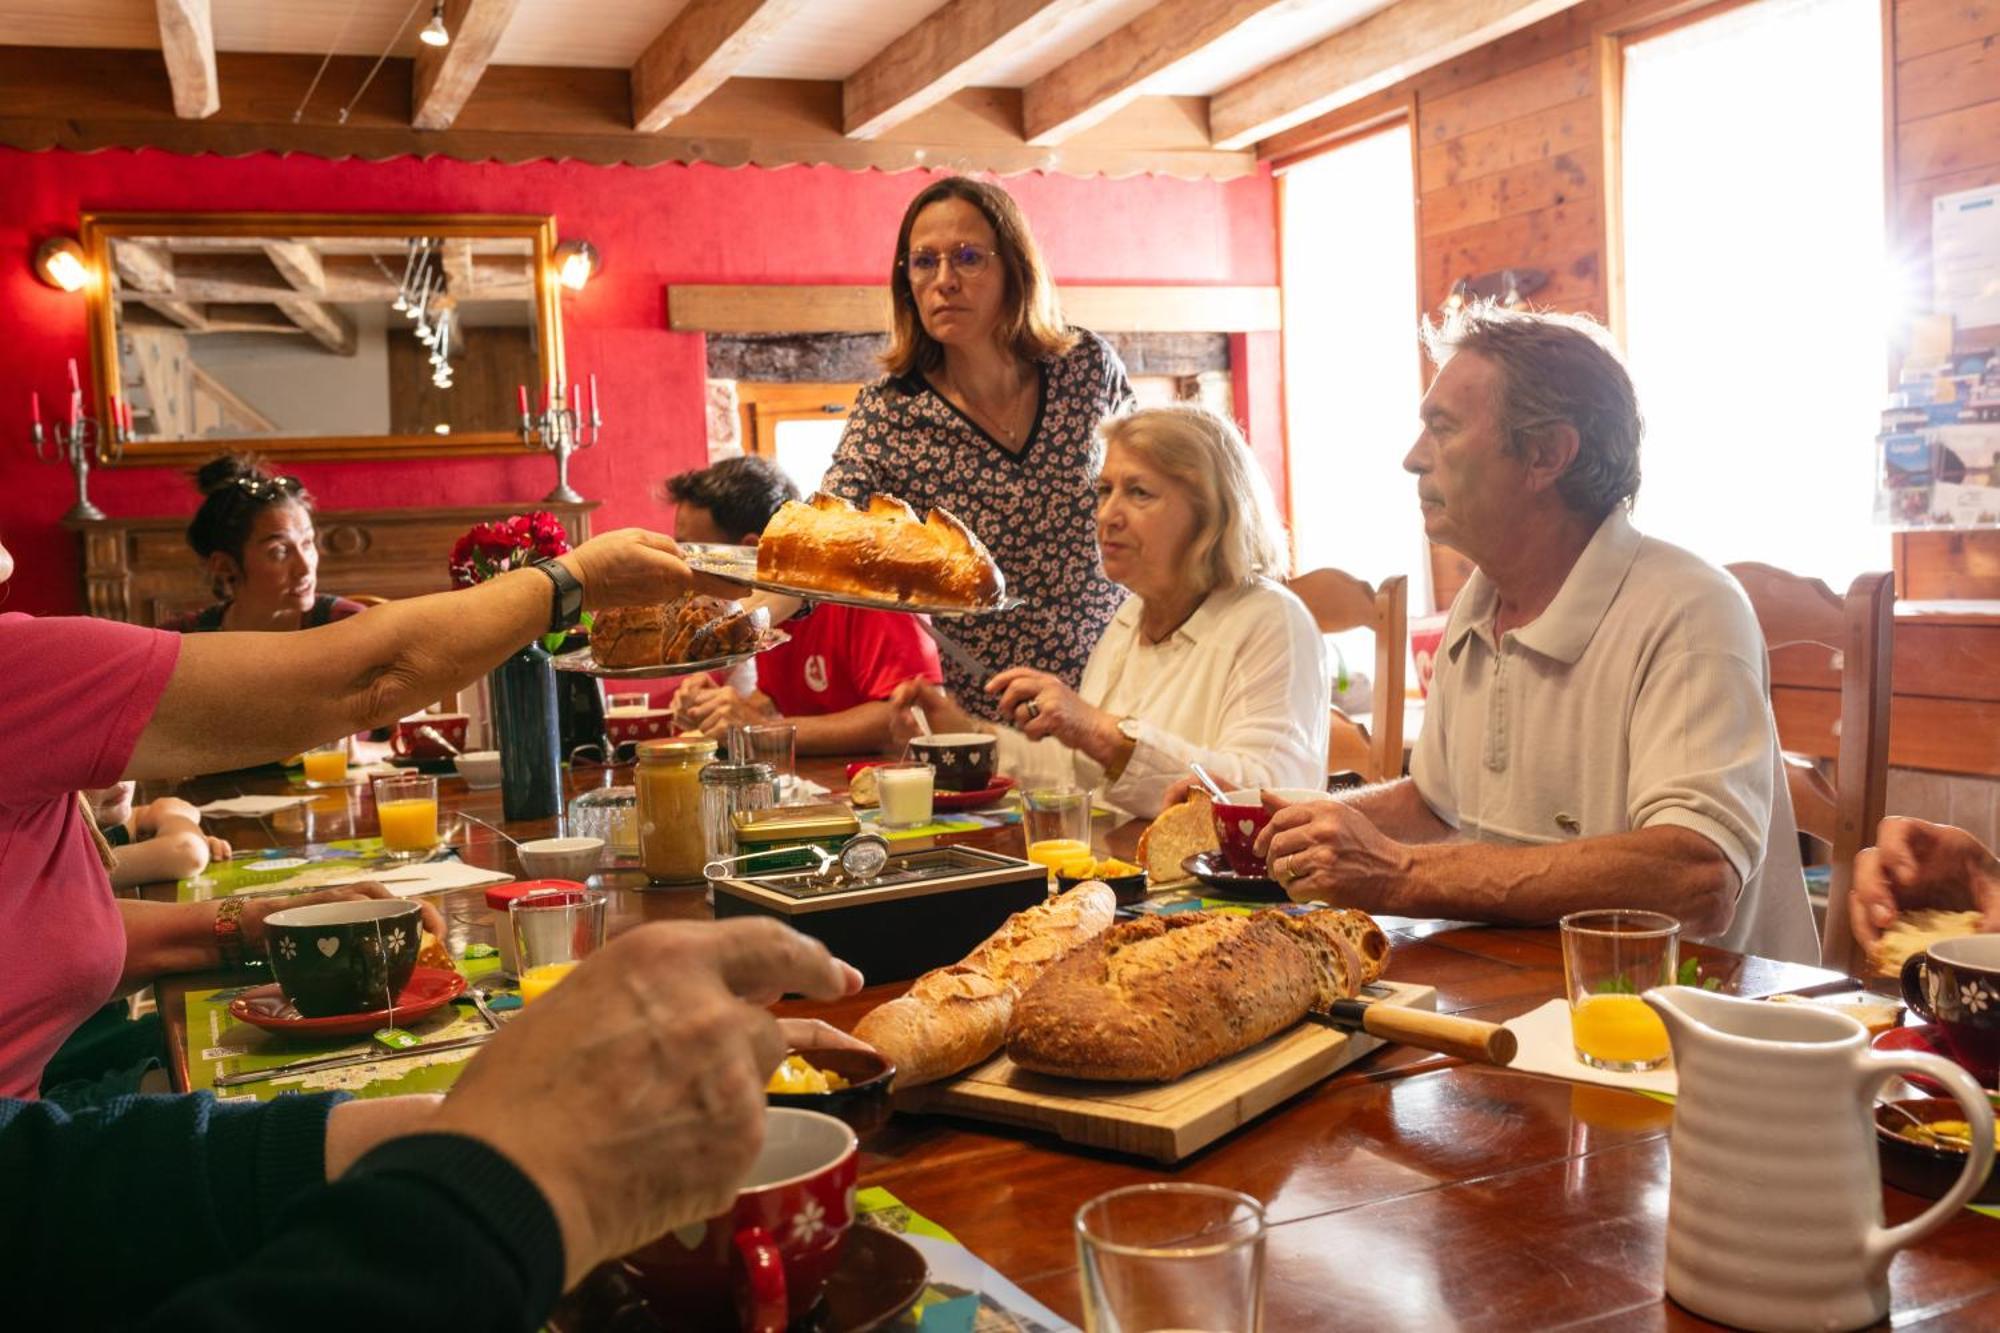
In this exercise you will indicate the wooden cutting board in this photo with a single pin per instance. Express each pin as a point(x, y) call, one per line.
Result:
point(1166, 1121)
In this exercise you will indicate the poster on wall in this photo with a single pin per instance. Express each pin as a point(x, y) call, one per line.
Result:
point(1965, 256)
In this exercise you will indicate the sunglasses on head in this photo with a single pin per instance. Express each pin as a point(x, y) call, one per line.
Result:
point(593, 755)
point(267, 488)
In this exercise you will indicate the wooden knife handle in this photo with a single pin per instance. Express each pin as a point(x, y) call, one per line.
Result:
point(1466, 1038)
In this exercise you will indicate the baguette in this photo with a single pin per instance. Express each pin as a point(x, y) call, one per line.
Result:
point(1151, 1000)
point(1180, 832)
point(953, 1018)
point(883, 550)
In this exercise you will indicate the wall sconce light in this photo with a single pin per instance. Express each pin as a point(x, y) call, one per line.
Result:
point(435, 33)
point(61, 265)
point(577, 262)
point(1509, 288)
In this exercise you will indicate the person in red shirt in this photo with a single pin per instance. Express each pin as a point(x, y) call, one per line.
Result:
point(834, 679)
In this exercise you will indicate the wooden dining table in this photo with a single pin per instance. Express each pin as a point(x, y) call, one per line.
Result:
point(1406, 1191)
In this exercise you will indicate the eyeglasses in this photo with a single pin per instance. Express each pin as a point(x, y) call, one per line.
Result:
point(968, 261)
point(593, 755)
point(266, 488)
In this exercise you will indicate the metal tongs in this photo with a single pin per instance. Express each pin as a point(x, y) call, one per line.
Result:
point(859, 859)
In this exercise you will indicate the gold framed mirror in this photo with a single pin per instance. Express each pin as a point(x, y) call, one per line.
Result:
point(318, 336)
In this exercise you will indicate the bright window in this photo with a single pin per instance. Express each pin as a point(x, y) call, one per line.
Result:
point(1352, 366)
point(1756, 292)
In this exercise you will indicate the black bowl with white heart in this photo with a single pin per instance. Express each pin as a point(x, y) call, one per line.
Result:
point(962, 761)
point(344, 958)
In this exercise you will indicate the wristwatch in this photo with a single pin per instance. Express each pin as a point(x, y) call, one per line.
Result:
point(1128, 727)
point(566, 602)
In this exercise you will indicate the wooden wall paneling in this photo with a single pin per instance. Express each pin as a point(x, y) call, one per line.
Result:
point(1942, 735)
point(1939, 81)
point(1924, 26)
point(1566, 77)
point(1960, 139)
point(1548, 183)
point(1566, 241)
point(1565, 128)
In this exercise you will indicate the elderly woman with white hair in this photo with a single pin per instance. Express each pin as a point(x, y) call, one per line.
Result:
point(1210, 659)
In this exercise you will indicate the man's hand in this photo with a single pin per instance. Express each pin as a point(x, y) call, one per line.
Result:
point(255, 910)
point(810, 1034)
point(1326, 851)
point(1915, 865)
point(633, 1093)
point(634, 567)
point(941, 713)
point(717, 710)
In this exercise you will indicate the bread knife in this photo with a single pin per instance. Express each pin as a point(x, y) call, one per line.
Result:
point(956, 651)
point(1467, 1038)
point(323, 1063)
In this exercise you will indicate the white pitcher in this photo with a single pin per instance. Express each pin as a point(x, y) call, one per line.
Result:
point(1774, 1214)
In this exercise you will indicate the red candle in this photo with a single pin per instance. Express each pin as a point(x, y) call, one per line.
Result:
point(128, 416)
point(34, 407)
point(75, 385)
point(521, 391)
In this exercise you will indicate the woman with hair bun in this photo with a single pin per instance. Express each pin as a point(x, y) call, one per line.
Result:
point(254, 532)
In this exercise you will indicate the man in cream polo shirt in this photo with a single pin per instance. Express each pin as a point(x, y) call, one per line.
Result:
point(1599, 732)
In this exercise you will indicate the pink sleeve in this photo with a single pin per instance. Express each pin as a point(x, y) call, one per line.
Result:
point(887, 648)
point(79, 692)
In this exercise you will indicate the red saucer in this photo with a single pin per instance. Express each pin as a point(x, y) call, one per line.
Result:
point(1924, 1038)
point(430, 989)
point(950, 800)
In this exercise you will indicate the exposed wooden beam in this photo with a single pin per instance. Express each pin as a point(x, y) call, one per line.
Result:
point(143, 267)
point(299, 264)
point(183, 314)
point(327, 324)
point(1095, 83)
point(705, 44)
point(446, 75)
point(187, 40)
point(702, 308)
point(1384, 48)
point(944, 53)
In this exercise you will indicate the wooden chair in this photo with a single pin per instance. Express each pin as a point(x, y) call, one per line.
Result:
point(1341, 602)
point(1856, 631)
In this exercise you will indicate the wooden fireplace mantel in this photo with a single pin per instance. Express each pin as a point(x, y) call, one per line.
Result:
point(141, 570)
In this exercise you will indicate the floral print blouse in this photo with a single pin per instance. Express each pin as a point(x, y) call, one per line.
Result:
point(1035, 510)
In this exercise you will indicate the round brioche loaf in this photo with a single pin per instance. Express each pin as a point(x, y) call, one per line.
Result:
point(882, 551)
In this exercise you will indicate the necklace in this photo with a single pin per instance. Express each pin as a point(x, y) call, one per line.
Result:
point(994, 423)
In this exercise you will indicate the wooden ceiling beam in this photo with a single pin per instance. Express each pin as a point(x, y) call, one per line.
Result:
point(705, 44)
point(1096, 83)
point(299, 264)
point(446, 75)
point(327, 325)
point(143, 267)
point(187, 41)
point(944, 53)
point(185, 315)
point(1384, 48)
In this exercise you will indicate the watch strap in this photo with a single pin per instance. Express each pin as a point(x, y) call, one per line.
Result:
point(566, 597)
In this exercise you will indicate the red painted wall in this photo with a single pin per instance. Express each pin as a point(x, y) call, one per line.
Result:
point(654, 226)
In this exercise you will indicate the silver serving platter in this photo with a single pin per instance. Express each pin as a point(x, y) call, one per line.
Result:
point(581, 660)
point(738, 564)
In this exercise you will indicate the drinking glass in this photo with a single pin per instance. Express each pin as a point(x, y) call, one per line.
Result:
point(1610, 958)
point(554, 930)
point(406, 811)
point(905, 791)
point(326, 765)
point(776, 744)
point(1172, 1258)
point(1056, 823)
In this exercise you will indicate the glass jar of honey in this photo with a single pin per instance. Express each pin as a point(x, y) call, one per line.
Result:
point(670, 829)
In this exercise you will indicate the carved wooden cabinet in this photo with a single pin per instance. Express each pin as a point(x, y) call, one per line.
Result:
point(141, 570)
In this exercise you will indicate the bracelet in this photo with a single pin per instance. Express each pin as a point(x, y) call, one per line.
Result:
point(229, 932)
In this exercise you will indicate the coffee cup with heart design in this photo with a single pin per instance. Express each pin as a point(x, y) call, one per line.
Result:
point(344, 958)
point(762, 1265)
point(963, 761)
point(1241, 815)
point(1956, 984)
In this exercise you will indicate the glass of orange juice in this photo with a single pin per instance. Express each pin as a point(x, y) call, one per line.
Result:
point(1056, 824)
point(326, 765)
point(406, 809)
point(554, 930)
point(1610, 958)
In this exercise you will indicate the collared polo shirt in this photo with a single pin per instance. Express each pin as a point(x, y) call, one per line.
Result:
point(1639, 698)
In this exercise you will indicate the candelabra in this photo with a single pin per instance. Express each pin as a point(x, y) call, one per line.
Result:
point(73, 443)
point(565, 426)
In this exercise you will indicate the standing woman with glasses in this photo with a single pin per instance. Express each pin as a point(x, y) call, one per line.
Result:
point(990, 410)
point(254, 531)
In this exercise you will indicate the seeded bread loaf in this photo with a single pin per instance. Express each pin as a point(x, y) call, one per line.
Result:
point(884, 550)
point(1153, 999)
point(955, 1017)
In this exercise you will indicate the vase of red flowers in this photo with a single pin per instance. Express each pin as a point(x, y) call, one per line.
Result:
point(522, 688)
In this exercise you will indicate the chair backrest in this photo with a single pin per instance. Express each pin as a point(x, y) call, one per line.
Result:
point(1340, 602)
point(1857, 631)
